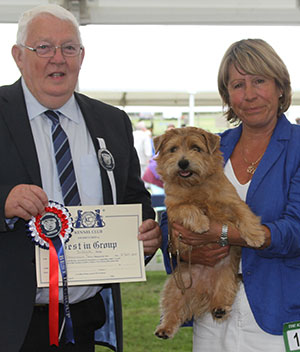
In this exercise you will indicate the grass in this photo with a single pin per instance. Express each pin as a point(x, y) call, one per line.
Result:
point(141, 316)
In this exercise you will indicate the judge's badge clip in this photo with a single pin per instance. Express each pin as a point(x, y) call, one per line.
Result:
point(107, 161)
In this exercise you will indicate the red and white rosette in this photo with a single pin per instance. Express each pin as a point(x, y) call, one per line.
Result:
point(51, 231)
point(41, 228)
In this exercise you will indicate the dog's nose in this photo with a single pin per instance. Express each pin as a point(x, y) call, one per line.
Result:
point(183, 164)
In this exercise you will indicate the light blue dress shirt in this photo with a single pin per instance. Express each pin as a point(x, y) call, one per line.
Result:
point(85, 162)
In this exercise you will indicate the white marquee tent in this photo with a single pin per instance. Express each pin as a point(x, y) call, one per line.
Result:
point(164, 27)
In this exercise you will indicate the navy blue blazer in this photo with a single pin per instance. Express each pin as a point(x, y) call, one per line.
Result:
point(19, 165)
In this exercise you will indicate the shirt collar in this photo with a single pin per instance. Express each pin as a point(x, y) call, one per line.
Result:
point(35, 108)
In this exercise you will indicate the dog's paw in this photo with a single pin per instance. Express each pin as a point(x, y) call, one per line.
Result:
point(164, 333)
point(220, 313)
point(202, 225)
point(256, 239)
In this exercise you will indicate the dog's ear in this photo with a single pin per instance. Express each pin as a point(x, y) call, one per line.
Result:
point(212, 141)
point(158, 141)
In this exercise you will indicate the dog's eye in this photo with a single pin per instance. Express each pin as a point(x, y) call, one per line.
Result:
point(196, 148)
point(173, 149)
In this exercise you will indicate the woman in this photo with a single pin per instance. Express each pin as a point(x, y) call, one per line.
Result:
point(262, 160)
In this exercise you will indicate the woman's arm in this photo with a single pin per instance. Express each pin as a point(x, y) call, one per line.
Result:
point(209, 256)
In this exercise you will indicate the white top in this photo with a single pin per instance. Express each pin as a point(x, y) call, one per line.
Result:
point(241, 189)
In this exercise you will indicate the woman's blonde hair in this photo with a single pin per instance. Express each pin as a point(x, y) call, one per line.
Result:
point(254, 57)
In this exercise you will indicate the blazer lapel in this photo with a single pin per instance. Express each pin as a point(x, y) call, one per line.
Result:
point(96, 131)
point(229, 141)
point(15, 115)
point(270, 157)
point(281, 132)
point(274, 150)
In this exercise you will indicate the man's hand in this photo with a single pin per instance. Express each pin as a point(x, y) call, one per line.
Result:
point(25, 201)
point(150, 234)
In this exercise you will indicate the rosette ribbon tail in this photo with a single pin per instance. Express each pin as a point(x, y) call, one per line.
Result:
point(51, 231)
point(58, 244)
point(53, 295)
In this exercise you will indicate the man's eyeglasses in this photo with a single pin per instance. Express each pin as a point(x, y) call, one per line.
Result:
point(47, 50)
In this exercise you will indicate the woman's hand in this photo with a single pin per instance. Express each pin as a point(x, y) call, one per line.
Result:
point(212, 237)
point(198, 239)
point(206, 250)
point(207, 255)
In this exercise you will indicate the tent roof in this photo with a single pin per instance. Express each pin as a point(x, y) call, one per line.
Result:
point(163, 98)
point(228, 12)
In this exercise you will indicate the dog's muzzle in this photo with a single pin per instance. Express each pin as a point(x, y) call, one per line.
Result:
point(184, 171)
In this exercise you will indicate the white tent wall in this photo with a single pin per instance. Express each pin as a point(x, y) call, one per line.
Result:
point(156, 16)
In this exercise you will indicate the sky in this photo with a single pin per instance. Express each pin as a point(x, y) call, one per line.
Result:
point(160, 57)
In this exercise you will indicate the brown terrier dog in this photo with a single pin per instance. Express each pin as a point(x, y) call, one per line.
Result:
point(197, 191)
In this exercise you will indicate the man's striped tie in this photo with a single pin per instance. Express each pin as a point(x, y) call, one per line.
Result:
point(64, 161)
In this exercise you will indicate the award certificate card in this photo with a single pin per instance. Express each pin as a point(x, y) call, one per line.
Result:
point(103, 247)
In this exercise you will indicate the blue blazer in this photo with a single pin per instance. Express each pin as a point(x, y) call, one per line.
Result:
point(272, 276)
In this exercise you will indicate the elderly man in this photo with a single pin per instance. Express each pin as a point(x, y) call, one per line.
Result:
point(49, 54)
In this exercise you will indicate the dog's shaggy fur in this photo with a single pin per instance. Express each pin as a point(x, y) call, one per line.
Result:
point(197, 191)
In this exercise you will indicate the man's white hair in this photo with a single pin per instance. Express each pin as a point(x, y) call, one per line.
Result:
point(50, 9)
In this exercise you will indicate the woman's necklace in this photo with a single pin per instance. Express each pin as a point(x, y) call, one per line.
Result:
point(252, 167)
